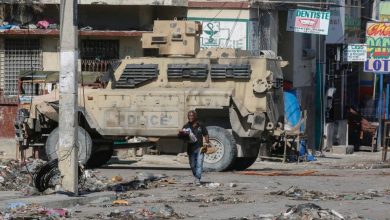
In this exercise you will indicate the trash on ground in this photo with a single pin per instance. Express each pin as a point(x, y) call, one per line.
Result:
point(212, 185)
point(169, 181)
point(33, 211)
point(56, 212)
point(48, 176)
point(309, 211)
point(231, 185)
point(297, 193)
point(214, 198)
point(16, 176)
point(279, 173)
point(116, 179)
point(14, 205)
point(163, 212)
point(120, 202)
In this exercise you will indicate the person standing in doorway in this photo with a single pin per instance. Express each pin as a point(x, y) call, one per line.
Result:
point(198, 131)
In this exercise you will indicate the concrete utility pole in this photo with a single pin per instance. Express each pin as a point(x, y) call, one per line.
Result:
point(68, 149)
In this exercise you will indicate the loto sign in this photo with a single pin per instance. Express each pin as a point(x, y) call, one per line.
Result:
point(378, 47)
point(308, 21)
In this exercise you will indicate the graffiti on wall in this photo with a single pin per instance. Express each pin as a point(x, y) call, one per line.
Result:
point(224, 34)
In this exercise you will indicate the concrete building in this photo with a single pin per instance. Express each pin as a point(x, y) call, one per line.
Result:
point(109, 30)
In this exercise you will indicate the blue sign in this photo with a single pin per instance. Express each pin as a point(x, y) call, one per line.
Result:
point(377, 66)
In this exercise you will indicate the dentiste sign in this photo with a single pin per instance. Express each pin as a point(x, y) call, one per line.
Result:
point(308, 21)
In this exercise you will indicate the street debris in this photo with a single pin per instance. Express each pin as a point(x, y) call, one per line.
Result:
point(213, 198)
point(306, 211)
point(16, 176)
point(212, 185)
point(131, 195)
point(143, 180)
point(47, 176)
point(120, 202)
point(116, 179)
point(231, 185)
point(33, 211)
point(280, 173)
point(309, 211)
point(163, 212)
point(93, 182)
point(296, 193)
point(15, 205)
point(56, 212)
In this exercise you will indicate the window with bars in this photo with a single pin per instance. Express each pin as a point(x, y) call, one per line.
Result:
point(19, 55)
point(96, 55)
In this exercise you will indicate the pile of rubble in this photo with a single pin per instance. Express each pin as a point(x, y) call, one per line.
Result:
point(304, 211)
point(312, 211)
point(213, 199)
point(16, 176)
point(93, 182)
point(32, 211)
point(163, 212)
point(296, 193)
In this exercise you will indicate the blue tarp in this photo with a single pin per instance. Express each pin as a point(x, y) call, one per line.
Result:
point(292, 113)
point(6, 27)
point(292, 110)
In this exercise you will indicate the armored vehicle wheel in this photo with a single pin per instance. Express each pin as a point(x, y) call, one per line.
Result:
point(226, 153)
point(242, 163)
point(84, 144)
point(99, 156)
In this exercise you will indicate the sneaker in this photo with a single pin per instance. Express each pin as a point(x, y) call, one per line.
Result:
point(197, 182)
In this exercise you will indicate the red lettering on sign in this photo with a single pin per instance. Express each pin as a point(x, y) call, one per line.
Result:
point(379, 29)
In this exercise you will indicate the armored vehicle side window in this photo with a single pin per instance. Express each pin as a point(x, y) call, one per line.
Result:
point(198, 71)
point(236, 71)
point(135, 74)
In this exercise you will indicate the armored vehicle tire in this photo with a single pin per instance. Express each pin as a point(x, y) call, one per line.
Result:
point(226, 153)
point(99, 156)
point(242, 163)
point(84, 144)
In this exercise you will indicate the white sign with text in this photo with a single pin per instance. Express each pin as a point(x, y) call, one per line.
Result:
point(356, 53)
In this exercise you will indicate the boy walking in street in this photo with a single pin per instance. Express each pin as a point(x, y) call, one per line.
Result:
point(195, 154)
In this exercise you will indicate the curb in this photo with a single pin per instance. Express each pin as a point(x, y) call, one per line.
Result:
point(59, 200)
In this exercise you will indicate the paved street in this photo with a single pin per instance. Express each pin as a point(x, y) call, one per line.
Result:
point(353, 186)
point(356, 192)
